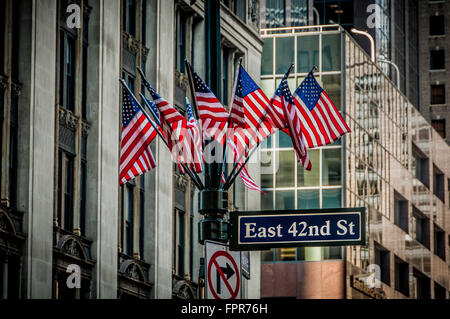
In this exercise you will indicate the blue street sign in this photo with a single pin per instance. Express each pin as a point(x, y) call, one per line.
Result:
point(319, 227)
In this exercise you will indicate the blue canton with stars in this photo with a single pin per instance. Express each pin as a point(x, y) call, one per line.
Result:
point(154, 109)
point(200, 86)
point(309, 91)
point(245, 84)
point(129, 108)
point(189, 110)
point(283, 90)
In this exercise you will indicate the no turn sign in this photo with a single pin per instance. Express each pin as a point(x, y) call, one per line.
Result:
point(223, 277)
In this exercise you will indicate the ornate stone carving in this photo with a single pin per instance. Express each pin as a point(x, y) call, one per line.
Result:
point(6, 224)
point(85, 127)
point(182, 289)
point(72, 248)
point(181, 80)
point(144, 52)
point(68, 119)
point(253, 11)
point(181, 182)
point(133, 270)
point(16, 89)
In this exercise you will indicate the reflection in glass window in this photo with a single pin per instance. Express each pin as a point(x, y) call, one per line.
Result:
point(267, 57)
point(299, 12)
point(331, 167)
point(332, 85)
point(284, 200)
point(284, 140)
point(308, 199)
point(266, 170)
point(285, 254)
point(284, 54)
point(285, 174)
point(331, 198)
point(312, 177)
point(268, 86)
point(267, 200)
point(307, 53)
point(275, 13)
point(331, 52)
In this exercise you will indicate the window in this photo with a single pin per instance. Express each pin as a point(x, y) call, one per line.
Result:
point(439, 291)
point(331, 167)
point(438, 94)
point(267, 57)
point(67, 62)
point(420, 166)
point(401, 211)
point(179, 232)
point(275, 13)
point(15, 53)
point(382, 259)
point(65, 189)
point(439, 126)
point(437, 25)
point(83, 185)
point(401, 276)
point(225, 75)
point(13, 144)
point(180, 40)
point(438, 183)
point(141, 214)
point(437, 59)
point(421, 227)
point(2, 38)
point(129, 219)
point(439, 242)
point(421, 285)
point(239, 9)
point(284, 54)
point(129, 17)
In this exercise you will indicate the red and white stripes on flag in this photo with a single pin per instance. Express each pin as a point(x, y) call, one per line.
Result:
point(321, 122)
point(283, 97)
point(192, 143)
point(136, 156)
point(173, 124)
point(213, 116)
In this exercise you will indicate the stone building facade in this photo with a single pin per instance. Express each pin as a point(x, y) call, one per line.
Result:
point(61, 204)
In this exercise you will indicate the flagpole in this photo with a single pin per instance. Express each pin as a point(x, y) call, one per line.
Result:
point(196, 182)
point(190, 173)
point(229, 179)
point(229, 183)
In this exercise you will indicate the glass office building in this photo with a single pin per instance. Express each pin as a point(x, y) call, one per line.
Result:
point(393, 163)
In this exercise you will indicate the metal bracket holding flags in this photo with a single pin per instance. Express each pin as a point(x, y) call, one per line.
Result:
point(317, 227)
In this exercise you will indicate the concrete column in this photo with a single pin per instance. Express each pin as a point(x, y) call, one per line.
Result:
point(103, 144)
point(37, 141)
point(163, 172)
point(5, 279)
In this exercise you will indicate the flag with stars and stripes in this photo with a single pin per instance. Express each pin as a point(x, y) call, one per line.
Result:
point(136, 157)
point(321, 122)
point(192, 143)
point(283, 97)
point(173, 124)
point(213, 116)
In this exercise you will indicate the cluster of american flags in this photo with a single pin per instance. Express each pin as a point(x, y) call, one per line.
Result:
point(308, 116)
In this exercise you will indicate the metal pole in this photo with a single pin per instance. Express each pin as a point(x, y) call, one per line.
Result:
point(396, 69)
point(213, 201)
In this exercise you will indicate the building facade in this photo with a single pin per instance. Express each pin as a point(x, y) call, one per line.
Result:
point(393, 163)
point(434, 60)
point(62, 211)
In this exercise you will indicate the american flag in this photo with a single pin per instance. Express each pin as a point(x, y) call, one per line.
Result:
point(173, 124)
point(283, 97)
point(251, 110)
point(321, 122)
point(213, 116)
point(192, 143)
point(136, 157)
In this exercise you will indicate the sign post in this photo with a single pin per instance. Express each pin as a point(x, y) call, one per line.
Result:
point(318, 227)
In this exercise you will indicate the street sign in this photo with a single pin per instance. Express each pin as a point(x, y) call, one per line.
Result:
point(245, 264)
point(223, 271)
point(317, 227)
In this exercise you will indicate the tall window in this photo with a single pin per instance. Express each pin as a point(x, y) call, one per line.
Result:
point(438, 184)
point(401, 276)
point(141, 214)
point(420, 166)
point(421, 227)
point(437, 59)
point(180, 40)
point(67, 52)
point(2, 31)
point(382, 258)
point(439, 242)
point(438, 94)
point(421, 285)
point(401, 212)
point(439, 126)
point(129, 219)
point(179, 242)
point(65, 189)
point(13, 143)
point(129, 17)
point(437, 25)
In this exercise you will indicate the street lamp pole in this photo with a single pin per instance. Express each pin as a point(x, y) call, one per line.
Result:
point(213, 201)
point(372, 42)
